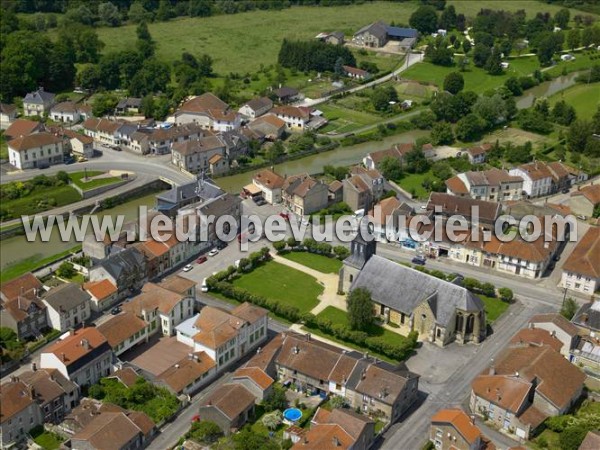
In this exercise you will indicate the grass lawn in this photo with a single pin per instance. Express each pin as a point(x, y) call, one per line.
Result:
point(77, 178)
point(46, 439)
point(476, 79)
point(494, 308)
point(340, 317)
point(283, 284)
point(314, 261)
point(531, 7)
point(585, 98)
point(343, 119)
point(41, 199)
point(3, 147)
point(30, 264)
point(582, 62)
point(384, 62)
point(413, 183)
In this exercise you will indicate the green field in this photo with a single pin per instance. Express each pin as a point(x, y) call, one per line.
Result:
point(283, 284)
point(314, 261)
point(476, 79)
point(77, 178)
point(337, 316)
point(40, 200)
point(585, 98)
point(494, 308)
point(32, 263)
point(343, 119)
point(413, 183)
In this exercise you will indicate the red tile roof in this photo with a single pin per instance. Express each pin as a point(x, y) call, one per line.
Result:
point(461, 422)
point(74, 347)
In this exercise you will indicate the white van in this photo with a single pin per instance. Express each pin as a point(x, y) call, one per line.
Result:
point(204, 287)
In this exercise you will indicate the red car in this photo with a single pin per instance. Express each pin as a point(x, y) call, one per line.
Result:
point(201, 260)
point(285, 215)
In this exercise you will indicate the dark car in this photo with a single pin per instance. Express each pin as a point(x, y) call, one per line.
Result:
point(221, 245)
point(69, 160)
point(202, 259)
point(420, 260)
point(565, 191)
point(116, 310)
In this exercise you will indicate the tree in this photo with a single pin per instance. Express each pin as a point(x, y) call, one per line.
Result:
point(247, 439)
point(563, 113)
point(569, 308)
point(514, 86)
point(506, 294)
point(103, 104)
point(108, 14)
point(382, 96)
point(448, 18)
point(491, 109)
point(579, 133)
point(275, 151)
point(441, 170)
point(163, 13)
point(337, 401)
point(279, 246)
point(493, 65)
point(272, 420)
point(137, 13)
point(147, 106)
point(466, 45)
point(454, 82)
point(469, 128)
point(481, 54)
point(276, 400)
point(391, 168)
point(572, 437)
point(548, 44)
point(461, 22)
point(416, 162)
point(152, 77)
point(341, 252)
point(205, 432)
point(360, 309)
point(534, 120)
point(145, 44)
point(573, 38)
point(441, 134)
point(423, 120)
point(66, 270)
point(561, 18)
point(424, 19)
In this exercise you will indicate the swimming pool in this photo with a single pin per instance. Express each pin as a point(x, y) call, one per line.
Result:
point(292, 414)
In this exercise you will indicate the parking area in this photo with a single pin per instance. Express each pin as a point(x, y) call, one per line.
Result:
point(157, 355)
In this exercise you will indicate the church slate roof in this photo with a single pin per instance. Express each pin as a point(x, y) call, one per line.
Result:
point(402, 289)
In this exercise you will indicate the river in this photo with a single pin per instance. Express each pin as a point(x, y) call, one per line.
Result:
point(17, 248)
point(546, 89)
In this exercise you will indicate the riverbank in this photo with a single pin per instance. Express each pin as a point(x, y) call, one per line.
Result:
point(32, 264)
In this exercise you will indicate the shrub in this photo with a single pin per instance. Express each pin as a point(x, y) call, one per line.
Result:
point(506, 294)
point(279, 246)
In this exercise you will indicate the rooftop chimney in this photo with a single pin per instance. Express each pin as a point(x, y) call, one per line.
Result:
point(85, 344)
point(63, 357)
point(308, 337)
point(492, 370)
point(33, 367)
point(336, 441)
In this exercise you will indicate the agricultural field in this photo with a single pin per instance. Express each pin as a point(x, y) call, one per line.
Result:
point(343, 119)
point(476, 79)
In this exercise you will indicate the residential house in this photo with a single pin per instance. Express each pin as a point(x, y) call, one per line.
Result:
point(193, 156)
point(336, 192)
point(21, 308)
point(157, 255)
point(302, 194)
point(339, 428)
point(229, 406)
point(8, 114)
point(270, 184)
point(20, 413)
point(125, 269)
point(125, 330)
point(270, 126)
point(255, 380)
point(103, 294)
point(296, 117)
point(286, 94)
point(161, 140)
point(225, 205)
point(188, 375)
point(374, 387)
point(439, 311)
point(129, 105)
point(453, 429)
point(478, 154)
point(38, 103)
point(524, 386)
point(23, 127)
point(581, 270)
point(540, 178)
point(256, 107)
point(587, 319)
point(208, 111)
point(584, 201)
point(80, 144)
point(161, 308)
point(363, 188)
point(388, 218)
point(34, 151)
point(447, 205)
point(180, 285)
point(356, 73)
point(333, 38)
point(99, 247)
point(67, 306)
point(69, 112)
point(55, 395)
point(225, 336)
point(83, 357)
point(539, 336)
point(115, 430)
point(591, 441)
point(176, 198)
point(379, 33)
point(397, 151)
point(103, 131)
point(492, 185)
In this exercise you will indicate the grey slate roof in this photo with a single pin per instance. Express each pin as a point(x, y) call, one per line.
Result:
point(180, 193)
point(588, 316)
point(399, 32)
point(125, 260)
point(402, 289)
point(377, 29)
point(220, 205)
point(130, 102)
point(39, 97)
point(67, 296)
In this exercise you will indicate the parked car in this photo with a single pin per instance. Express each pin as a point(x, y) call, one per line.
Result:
point(204, 287)
point(420, 260)
point(285, 215)
point(202, 259)
point(213, 252)
point(221, 245)
point(565, 191)
point(69, 160)
point(187, 268)
point(116, 310)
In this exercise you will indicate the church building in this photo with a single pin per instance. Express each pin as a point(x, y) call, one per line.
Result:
point(440, 311)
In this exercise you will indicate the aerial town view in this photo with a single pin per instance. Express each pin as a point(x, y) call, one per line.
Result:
point(300, 224)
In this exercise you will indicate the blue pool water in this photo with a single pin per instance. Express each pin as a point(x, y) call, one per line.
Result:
point(292, 414)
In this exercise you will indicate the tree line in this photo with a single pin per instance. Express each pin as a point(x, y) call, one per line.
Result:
point(314, 55)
